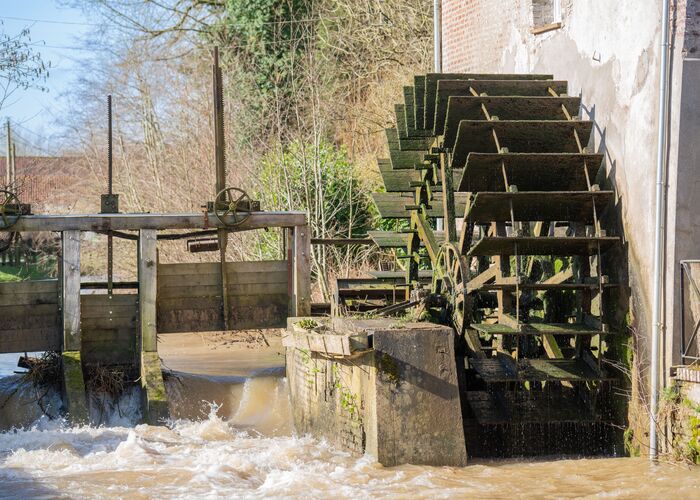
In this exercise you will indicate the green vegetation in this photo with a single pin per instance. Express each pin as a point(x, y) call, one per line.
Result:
point(26, 272)
point(307, 324)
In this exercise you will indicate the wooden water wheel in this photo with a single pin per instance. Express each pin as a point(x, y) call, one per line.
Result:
point(503, 161)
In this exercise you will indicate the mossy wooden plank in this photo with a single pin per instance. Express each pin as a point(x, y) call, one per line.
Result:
point(419, 100)
point(393, 276)
point(75, 402)
point(477, 136)
point(537, 329)
point(392, 205)
point(400, 120)
point(399, 180)
point(537, 370)
point(575, 206)
point(389, 239)
point(409, 108)
point(402, 160)
point(431, 83)
point(528, 171)
point(563, 246)
point(460, 108)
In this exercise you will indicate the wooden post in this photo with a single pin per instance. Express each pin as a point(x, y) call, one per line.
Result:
point(155, 403)
point(302, 271)
point(73, 382)
point(147, 289)
point(289, 255)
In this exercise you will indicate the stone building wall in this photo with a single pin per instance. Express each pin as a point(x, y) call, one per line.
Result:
point(609, 52)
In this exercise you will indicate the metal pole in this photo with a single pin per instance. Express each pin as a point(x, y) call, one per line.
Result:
point(437, 35)
point(8, 161)
point(13, 167)
point(220, 160)
point(110, 242)
point(659, 230)
point(437, 64)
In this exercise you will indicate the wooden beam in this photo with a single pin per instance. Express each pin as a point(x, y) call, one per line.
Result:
point(148, 286)
point(70, 290)
point(302, 271)
point(73, 382)
point(135, 222)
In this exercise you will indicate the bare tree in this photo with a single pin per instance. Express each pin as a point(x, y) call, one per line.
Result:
point(21, 67)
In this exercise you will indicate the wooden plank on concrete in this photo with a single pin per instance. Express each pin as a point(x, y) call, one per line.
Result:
point(528, 171)
point(536, 136)
point(70, 276)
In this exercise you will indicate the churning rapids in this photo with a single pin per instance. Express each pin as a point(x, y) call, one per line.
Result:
point(232, 437)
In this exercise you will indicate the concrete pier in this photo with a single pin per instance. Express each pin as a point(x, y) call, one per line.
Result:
point(378, 386)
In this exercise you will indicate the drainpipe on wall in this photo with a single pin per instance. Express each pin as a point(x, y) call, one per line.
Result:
point(659, 230)
point(437, 35)
point(437, 64)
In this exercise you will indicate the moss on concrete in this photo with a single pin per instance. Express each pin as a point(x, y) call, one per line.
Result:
point(74, 388)
point(155, 402)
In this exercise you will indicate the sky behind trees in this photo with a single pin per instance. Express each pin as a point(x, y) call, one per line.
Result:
point(57, 32)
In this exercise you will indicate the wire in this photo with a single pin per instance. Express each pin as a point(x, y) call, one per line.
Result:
point(47, 21)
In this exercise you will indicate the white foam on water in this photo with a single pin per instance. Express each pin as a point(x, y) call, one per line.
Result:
point(240, 445)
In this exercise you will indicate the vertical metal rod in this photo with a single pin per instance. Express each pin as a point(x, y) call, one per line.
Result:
point(109, 144)
point(13, 167)
point(659, 229)
point(437, 35)
point(682, 311)
point(220, 160)
point(8, 161)
point(110, 242)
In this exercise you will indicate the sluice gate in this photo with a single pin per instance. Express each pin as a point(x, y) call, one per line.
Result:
point(120, 328)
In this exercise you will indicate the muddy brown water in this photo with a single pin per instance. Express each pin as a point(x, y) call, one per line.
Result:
point(231, 437)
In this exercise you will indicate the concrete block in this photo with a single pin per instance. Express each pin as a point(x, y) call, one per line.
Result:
point(399, 401)
point(74, 388)
point(155, 401)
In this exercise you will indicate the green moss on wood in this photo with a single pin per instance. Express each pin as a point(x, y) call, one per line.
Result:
point(74, 387)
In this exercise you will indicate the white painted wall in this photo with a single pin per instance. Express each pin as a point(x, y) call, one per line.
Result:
point(609, 53)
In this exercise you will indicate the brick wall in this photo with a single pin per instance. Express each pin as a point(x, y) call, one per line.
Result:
point(474, 33)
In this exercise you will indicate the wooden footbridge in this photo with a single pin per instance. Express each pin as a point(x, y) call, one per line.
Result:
point(491, 182)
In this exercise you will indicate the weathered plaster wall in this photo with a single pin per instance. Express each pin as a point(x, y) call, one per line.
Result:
point(609, 53)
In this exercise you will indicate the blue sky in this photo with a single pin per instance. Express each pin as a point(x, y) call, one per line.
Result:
point(61, 29)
